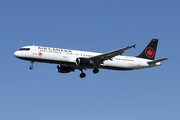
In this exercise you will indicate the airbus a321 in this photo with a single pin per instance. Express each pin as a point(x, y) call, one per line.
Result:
point(70, 60)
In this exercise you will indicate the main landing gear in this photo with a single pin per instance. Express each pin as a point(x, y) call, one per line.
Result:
point(82, 75)
point(96, 70)
point(31, 67)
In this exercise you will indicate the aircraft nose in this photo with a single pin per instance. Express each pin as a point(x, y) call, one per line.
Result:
point(16, 54)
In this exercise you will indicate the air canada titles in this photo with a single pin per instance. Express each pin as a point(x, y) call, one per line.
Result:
point(53, 49)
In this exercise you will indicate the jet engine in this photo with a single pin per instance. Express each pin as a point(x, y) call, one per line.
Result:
point(64, 69)
point(84, 62)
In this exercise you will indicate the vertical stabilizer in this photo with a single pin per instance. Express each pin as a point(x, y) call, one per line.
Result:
point(150, 51)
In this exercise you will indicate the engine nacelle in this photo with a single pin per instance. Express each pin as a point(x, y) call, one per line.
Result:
point(64, 69)
point(84, 62)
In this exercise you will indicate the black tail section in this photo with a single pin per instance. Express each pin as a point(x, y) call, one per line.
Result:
point(150, 51)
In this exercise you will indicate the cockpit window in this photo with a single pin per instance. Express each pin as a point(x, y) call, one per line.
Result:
point(25, 49)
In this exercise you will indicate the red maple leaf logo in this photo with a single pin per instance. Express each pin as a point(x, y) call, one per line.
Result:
point(40, 53)
point(149, 51)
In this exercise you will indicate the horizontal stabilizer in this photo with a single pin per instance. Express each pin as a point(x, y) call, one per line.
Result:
point(155, 61)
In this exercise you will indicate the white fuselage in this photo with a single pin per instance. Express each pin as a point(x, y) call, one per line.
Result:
point(68, 57)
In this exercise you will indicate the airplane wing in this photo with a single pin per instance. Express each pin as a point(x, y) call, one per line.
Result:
point(155, 61)
point(99, 59)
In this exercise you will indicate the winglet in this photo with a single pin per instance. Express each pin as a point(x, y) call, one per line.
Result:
point(134, 46)
point(131, 46)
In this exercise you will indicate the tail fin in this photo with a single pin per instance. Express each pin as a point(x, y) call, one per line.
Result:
point(150, 51)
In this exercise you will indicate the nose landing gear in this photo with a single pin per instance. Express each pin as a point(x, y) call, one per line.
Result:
point(31, 67)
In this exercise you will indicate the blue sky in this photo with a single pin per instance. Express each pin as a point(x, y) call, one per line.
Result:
point(91, 25)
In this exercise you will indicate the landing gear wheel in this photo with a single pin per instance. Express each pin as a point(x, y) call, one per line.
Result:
point(82, 75)
point(31, 67)
point(96, 70)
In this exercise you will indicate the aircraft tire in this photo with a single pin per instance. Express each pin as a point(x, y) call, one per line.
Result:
point(31, 67)
point(82, 75)
point(96, 70)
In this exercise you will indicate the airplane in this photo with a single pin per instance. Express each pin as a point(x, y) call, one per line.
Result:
point(70, 60)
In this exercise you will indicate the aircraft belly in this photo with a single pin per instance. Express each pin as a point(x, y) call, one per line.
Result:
point(117, 65)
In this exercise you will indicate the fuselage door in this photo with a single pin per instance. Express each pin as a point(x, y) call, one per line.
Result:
point(34, 50)
point(139, 63)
